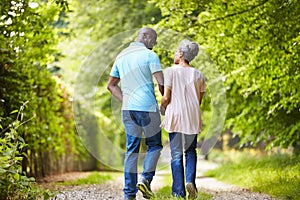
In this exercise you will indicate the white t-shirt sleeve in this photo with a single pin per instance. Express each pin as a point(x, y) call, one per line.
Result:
point(168, 78)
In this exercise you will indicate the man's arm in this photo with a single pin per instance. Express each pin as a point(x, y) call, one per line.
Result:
point(160, 81)
point(113, 87)
point(165, 100)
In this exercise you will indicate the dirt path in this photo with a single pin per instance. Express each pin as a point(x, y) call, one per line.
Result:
point(113, 189)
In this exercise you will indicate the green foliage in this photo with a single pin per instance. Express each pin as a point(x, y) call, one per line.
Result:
point(98, 22)
point(28, 44)
point(14, 184)
point(92, 22)
point(275, 175)
point(255, 45)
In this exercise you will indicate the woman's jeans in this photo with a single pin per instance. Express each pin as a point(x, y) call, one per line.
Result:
point(176, 144)
point(136, 122)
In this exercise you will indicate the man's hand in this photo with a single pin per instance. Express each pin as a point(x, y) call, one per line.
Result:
point(160, 81)
point(162, 110)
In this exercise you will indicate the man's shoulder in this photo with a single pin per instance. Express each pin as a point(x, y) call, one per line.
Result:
point(132, 49)
point(152, 55)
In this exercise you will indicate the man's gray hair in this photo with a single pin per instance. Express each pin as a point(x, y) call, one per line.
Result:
point(188, 49)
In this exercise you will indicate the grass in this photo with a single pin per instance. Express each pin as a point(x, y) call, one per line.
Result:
point(93, 178)
point(165, 193)
point(276, 175)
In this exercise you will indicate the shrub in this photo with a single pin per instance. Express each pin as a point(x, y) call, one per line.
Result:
point(14, 184)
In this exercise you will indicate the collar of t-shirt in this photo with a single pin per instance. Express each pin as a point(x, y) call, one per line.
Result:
point(137, 44)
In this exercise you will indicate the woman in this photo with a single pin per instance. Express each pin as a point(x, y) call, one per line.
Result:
point(184, 88)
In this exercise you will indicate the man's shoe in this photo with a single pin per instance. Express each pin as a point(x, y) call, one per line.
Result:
point(144, 186)
point(192, 190)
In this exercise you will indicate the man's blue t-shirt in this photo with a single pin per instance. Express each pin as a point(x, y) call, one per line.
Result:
point(135, 66)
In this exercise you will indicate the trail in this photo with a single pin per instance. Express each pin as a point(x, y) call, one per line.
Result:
point(114, 189)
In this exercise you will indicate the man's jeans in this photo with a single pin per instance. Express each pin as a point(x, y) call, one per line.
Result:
point(176, 145)
point(136, 122)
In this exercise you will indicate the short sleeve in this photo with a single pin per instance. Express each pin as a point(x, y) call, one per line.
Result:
point(154, 63)
point(168, 78)
point(114, 71)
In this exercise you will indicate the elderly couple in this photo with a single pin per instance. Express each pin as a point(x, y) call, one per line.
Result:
point(182, 88)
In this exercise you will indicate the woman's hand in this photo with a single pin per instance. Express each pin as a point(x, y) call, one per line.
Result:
point(162, 110)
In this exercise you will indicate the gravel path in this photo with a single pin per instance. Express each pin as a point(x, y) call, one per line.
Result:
point(113, 189)
point(107, 191)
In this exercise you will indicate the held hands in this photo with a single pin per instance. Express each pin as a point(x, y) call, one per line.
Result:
point(162, 110)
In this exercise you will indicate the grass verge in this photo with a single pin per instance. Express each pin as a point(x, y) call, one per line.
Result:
point(93, 178)
point(277, 175)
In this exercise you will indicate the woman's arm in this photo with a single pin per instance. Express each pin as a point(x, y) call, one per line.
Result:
point(200, 98)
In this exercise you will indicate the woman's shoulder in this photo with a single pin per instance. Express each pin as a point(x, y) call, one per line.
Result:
point(197, 73)
point(172, 68)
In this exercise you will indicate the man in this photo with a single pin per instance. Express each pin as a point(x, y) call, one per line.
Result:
point(134, 68)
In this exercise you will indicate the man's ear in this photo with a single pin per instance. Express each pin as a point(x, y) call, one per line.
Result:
point(145, 36)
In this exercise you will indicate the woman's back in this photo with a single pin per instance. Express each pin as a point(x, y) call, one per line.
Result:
point(183, 111)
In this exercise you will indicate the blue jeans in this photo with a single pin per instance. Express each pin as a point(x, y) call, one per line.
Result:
point(176, 145)
point(136, 122)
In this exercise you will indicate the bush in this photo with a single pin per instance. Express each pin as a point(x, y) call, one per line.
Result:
point(14, 184)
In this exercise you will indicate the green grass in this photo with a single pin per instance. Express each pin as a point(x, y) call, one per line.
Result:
point(166, 194)
point(93, 178)
point(278, 176)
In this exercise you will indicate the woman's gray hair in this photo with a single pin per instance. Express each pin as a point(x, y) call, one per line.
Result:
point(188, 49)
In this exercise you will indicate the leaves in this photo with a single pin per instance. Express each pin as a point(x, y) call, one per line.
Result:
point(14, 183)
point(29, 46)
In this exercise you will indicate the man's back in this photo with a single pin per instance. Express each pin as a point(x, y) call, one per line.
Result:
point(135, 66)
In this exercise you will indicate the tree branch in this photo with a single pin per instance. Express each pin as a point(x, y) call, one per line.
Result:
point(236, 13)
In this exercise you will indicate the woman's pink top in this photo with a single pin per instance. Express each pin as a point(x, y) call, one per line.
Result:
point(183, 112)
